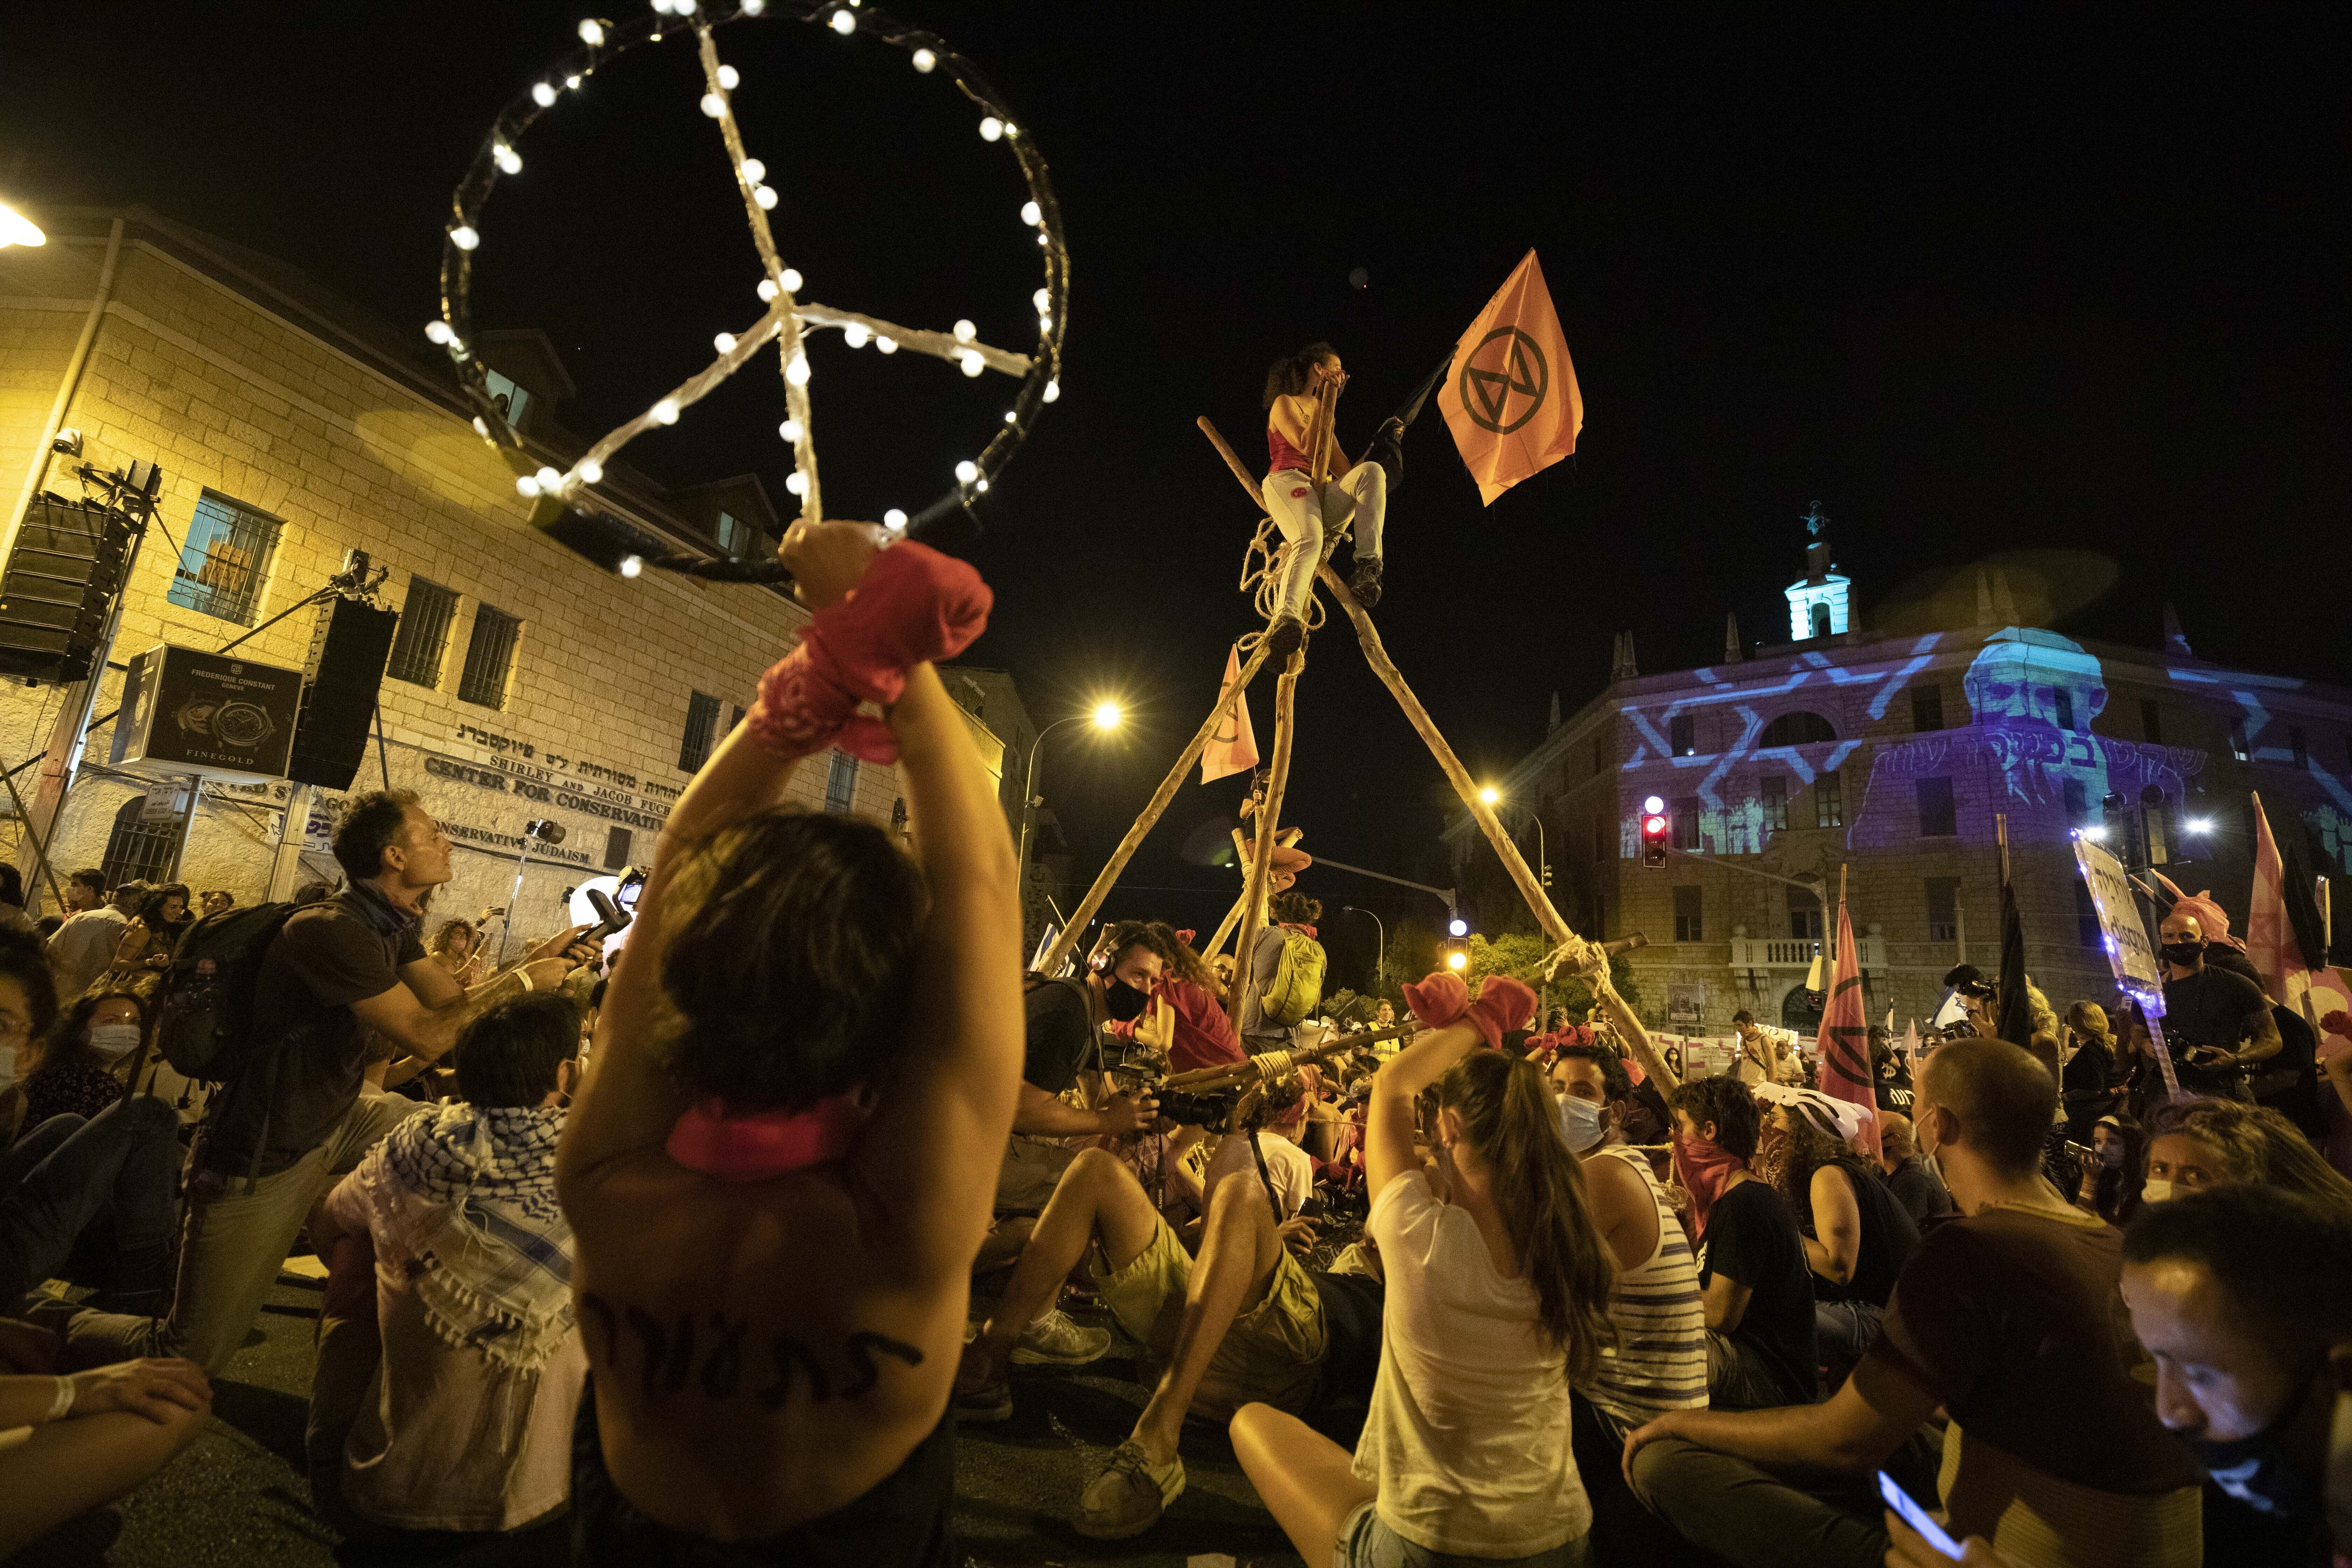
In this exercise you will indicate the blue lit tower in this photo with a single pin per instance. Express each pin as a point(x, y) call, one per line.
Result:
point(1817, 603)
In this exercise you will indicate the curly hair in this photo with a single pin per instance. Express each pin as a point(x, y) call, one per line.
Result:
point(1295, 908)
point(1287, 377)
point(1726, 1103)
point(1808, 1148)
point(2254, 1144)
point(1616, 1084)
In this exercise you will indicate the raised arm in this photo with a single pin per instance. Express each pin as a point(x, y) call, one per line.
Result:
point(1637, 1038)
point(931, 1153)
point(1388, 1131)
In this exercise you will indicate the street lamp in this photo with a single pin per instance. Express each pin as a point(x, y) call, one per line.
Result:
point(1490, 794)
point(15, 228)
point(1380, 954)
point(1106, 716)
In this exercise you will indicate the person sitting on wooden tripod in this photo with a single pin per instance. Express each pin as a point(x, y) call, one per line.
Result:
point(1311, 485)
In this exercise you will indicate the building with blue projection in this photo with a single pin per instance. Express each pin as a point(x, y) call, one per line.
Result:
point(1896, 757)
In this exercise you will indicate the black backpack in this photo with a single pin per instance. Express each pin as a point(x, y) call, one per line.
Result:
point(204, 1008)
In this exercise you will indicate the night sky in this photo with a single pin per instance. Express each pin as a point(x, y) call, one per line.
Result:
point(1983, 281)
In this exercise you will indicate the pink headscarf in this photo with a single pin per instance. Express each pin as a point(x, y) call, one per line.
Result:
point(2215, 924)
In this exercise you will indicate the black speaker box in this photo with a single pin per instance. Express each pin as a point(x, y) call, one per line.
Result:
point(344, 673)
point(59, 586)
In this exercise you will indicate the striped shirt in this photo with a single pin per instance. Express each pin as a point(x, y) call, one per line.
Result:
point(1660, 1361)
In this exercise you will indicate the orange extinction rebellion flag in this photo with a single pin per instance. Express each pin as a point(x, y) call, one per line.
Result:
point(1232, 747)
point(1512, 401)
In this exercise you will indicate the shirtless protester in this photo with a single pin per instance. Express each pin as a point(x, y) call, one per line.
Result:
point(781, 1160)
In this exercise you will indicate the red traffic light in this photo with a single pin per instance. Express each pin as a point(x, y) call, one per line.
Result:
point(1654, 826)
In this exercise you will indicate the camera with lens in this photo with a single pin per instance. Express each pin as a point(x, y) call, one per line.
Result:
point(1143, 1073)
point(544, 829)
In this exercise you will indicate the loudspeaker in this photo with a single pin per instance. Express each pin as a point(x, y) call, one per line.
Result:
point(344, 673)
point(59, 586)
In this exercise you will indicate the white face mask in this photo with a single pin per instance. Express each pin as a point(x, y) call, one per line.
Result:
point(109, 1042)
point(1580, 1123)
point(2157, 1190)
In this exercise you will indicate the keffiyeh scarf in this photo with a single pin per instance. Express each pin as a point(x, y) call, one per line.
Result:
point(469, 1192)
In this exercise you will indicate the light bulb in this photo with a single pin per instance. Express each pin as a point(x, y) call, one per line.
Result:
point(1008, 416)
point(548, 479)
point(967, 471)
point(981, 487)
point(1046, 325)
point(508, 160)
point(766, 196)
point(526, 485)
point(572, 81)
point(724, 343)
point(972, 362)
point(481, 427)
point(991, 129)
point(791, 431)
point(843, 22)
point(542, 95)
point(661, 7)
point(1041, 299)
point(437, 332)
point(666, 411)
point(856, 335)
point(632, 565)
point(1031, 213)
point(894, 518)
point(1053, 391)
point(714, 106)
point(1043, 238)
point(792, 281)
point(730, 77)
point(591, 472)
point(592, 33)
point(464, 238)
point(754, 172)
point(887, 345)
point(753, 7)
point(796, 372)
point(965, 331)
point(768, 289)
point(924, 60)
point(797, 483)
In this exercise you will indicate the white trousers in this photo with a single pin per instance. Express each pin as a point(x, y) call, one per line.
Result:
point(1290, 501)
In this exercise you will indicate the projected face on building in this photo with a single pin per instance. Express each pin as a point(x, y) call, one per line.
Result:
point(2032, 695)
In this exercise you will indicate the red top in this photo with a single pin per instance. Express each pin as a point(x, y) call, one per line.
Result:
point(1204, 1035)
point(1280, 454)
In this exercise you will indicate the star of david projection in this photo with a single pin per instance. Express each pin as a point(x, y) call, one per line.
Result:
point(566, 497)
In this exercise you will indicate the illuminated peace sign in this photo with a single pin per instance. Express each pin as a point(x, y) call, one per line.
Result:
point(567, 501)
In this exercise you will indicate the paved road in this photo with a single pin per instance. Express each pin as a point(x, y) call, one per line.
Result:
point(238, 1497)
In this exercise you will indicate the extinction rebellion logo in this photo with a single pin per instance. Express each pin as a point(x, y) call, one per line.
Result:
point(1504, 380)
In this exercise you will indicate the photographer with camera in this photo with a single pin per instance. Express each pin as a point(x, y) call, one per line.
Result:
point(2217, 1024)
point(296, 1114)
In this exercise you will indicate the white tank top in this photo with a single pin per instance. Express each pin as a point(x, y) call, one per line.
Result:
point(1660, 1361)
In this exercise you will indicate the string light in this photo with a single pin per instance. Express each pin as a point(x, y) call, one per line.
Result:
point(730, 77)
point(855, 335)
point(755, 172)
point(592, 33)
point(991, 129)
point(548, 479)
point(527, 485)
point(464, 238)
point(768, 290)
point(714, 106)
point(1053, 391)
point(1008, 416)
point(509, 161)
point(724, 343)
point(666, 411)
point(792, 280)
point(843, 22)
point(887, 345)
point(632, 565)
point(973, 362)
point(591, 472)
point(1031, 213)
point(572, 81)
point(925, 61)
point(796, 370)
point(967, 471)
point(965, 331)
point(894, 519)
point(797, 483)
point(753, 7)
point(791, 431)
point(1042, 299)
point(981, 487)
point(438, 332)
point(544, 96)
point(481, 427)
point(766, 196)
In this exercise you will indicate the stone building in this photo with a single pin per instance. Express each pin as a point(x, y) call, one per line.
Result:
point(1890, 758)
point(292, 428)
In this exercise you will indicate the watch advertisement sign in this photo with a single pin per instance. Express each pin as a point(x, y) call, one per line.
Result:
point(187, 711)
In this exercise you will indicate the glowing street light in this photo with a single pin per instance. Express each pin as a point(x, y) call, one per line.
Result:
point(1458, 927)
point(1106, 716)
point(15, 228)
point(1457, 958)
point(2199, 825)
point(1109, 715)
point(1490, 794)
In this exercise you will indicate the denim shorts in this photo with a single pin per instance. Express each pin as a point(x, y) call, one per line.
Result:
point(1366, 1543)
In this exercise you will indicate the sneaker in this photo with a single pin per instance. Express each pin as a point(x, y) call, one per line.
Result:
point(1282, 638)
point(988, 1403)
point(1054, 1341)
point(1128, 1497)
point(1364, 583)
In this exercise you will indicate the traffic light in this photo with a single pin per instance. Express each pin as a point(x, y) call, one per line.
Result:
point(1654, 831)
point(1455, 953)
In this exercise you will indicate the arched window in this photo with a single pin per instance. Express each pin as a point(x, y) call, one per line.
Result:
point(1821, 620)
point(138, 850)
point(1797, 729)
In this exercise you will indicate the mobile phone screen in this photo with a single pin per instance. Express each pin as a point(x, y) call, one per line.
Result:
point(1916, 1517)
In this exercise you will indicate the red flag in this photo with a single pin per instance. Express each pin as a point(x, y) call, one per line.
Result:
point(2271, 944)
point(1232, 744)
point(1844, 1040)
point(1513, 403)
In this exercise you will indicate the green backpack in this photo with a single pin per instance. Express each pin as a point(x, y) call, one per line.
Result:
point(1297, 988)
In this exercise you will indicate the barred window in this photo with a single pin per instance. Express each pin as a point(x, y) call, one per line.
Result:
point(1829, 801)
point(701, 716)
point(424, 633)
point(1682, 736)
point(139, 850)
point(1685, 821)
point(1775, 801)
point(226, 560)
point(841, 783)
point(1687, 924)
point(489, 657)
point(1943, 909)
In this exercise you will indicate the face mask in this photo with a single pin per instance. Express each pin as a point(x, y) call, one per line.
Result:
point(1123, 1002)
point(7, 1068)
point(1580, 1123)
point(110, 1041)
point(2182, 953)
point(2255, 1469)
point(2155, 1190)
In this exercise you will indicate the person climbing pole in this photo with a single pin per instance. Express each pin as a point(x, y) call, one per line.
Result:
point(1311, 485)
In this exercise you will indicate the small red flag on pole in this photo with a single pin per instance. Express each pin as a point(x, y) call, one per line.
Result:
point(1844, 1038)
point(1233, 745)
